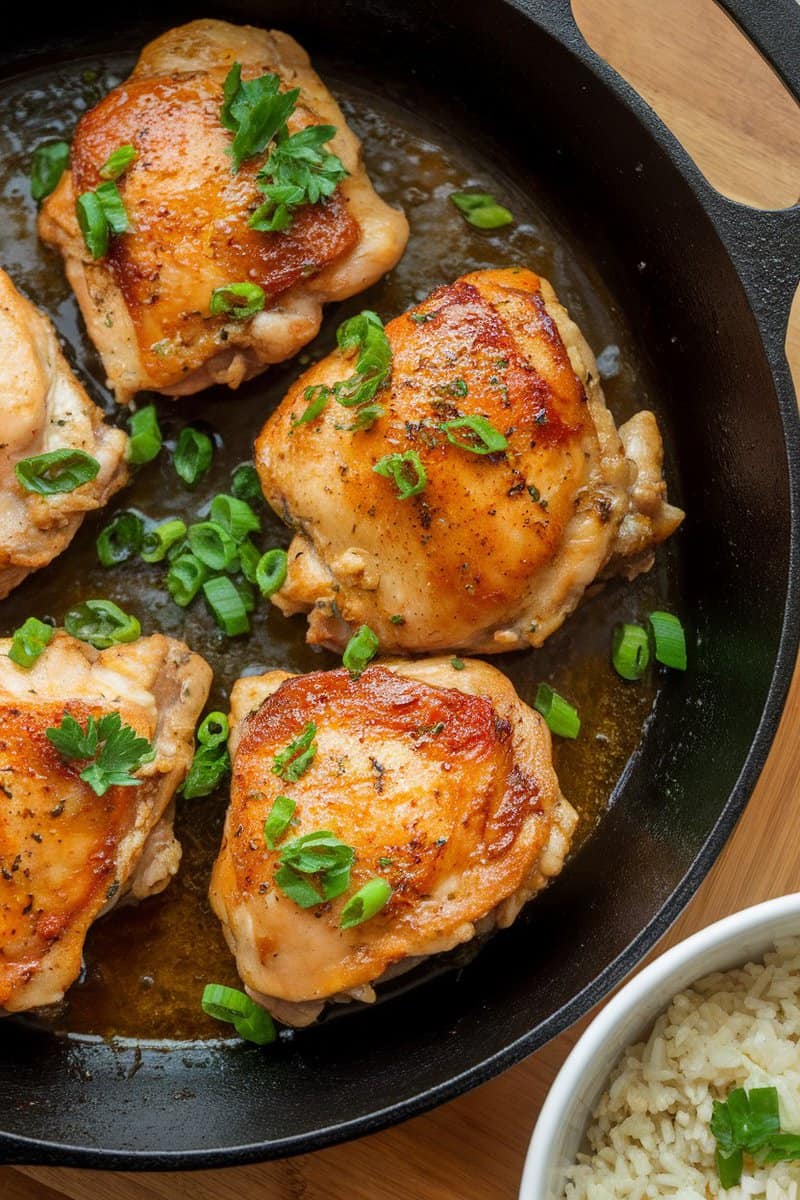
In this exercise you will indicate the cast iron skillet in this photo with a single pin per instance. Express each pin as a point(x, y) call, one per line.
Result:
point(711, 308)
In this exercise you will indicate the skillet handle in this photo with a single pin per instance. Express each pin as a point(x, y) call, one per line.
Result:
point(773, 26)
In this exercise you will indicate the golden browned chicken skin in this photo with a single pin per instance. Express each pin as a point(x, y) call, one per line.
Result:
point(497, 549)
point(147, 304)
point(68, 855)
point(44, 408)
point(442, 782)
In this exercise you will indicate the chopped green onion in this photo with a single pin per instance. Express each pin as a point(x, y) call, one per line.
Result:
point(250, 1020)
point(213, 545)
point(47, 166)
point(630, 651)
point(157, 542)
point(670, 640)
point(406, 470)
point(316, 398)
point(213, 730)
point(366, 902)
point(117, 162)
point(360, 650)
point(397, 619)
point(93, 224)
point(29, 641)
point(101, 623)
point(235, 516)
point(226, 605)
point(487, 439)
point(560, 716)
point(145, 436)
point(245, 484)
point(120, 539)
point(238, 300)
point(293, 762)
point(481, 210)
point(247, 593)
point(749, 1123)
point(113, 208)
point(279, 820)
point(56, 472)
point(271, 571)
point(457, 664)
point(249, 558)
point(365, 418)
point(193, 455)
point(185, 577)
point(319, 854)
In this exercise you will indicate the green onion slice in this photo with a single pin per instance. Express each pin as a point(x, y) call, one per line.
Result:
point(101, 623)
point(317, 398)
point(56, 472)
point(47, 166)
point(237, 300)
point(250, 1020)
point(145, 436)
point(113, 207)
point(117, 162)
point(319, 854)
point(157, 542)
point(293, 762)
point(481, 210)
point(93, 224)
point(271, 571)
point(120, 539)
point(560, 716)
point(279, 820)
point(213, 545)
point(670, 640)
point(29, 641)
point(209, 766)
point(213, 730)
point(406, 470)
point(366, 902)
point(245, 484)
point(249, 558)
point(185, 577)
point(193, 455)
point(236, 516)
point(227, 606)
point(486, 439)
point(630, 651)
point(360, 650)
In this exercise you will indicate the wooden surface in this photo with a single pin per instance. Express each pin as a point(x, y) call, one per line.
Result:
point(727, 108)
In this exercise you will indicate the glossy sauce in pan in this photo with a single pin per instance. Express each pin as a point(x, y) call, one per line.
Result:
point(146, 966)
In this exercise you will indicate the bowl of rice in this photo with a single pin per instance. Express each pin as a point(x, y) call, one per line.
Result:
point(687, 1084)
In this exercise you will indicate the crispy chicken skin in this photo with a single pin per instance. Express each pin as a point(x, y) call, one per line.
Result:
point(446, 773)
point(499, 548)
point(44, 408)
point(147, 304)
point(66, 854)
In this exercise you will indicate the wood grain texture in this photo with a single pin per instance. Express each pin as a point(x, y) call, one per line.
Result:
point(733, 116)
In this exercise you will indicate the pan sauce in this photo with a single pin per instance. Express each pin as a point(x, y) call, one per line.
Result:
point(146, 966)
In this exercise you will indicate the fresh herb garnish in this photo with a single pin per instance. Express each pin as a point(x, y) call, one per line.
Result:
point(228, 604)
point(254, 110)
point(278, 820)
point(457, 664)
point(120, 539)
point(481, 210)
point(101, 213)
point(56, 471)
point(117, 162)
point(559, 714)
point(211, 760)
point(749, 1123)
point(271, 571)
point(115, 750)
point(365, 333)
point(245, 484)
point(238, 300)
point(630, 651)
point(47, 166)
point(145, 436)
point(366, 903)
point(193, 455)
point(293, 762)
point(29, 641)
point(485, 438)
point(360, 650)
point(250, 1020)
point(406, 470)
point(101, 623)
point(321, 856)
point(670, 640)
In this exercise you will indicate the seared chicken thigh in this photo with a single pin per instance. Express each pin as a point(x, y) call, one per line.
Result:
point(67, 855)
point(520, 492)
point(440, 781)
point(147, 303)
point(43, 408)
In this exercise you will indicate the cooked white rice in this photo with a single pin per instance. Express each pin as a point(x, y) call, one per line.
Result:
point(650, 1133)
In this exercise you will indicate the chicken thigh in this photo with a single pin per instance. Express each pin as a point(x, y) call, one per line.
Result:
point(512, 489)
point(441, 783)
point(67, 854)
point(147, 302)
point(43, 408)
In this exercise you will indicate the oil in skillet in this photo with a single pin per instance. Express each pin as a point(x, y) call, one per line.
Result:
point(145, 966)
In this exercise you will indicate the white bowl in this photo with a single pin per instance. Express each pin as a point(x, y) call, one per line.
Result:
point(559, 1132)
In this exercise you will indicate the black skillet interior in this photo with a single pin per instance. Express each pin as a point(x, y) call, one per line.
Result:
point(615, 187)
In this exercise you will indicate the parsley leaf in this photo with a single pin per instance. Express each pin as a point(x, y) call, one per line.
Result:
point(254, 110)
point(365, 333)
point(320, 855)
point(293, 762)
point(298, 171)
point(115, 750)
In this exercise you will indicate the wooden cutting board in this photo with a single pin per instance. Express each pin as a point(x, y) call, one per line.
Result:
point(687, 60)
